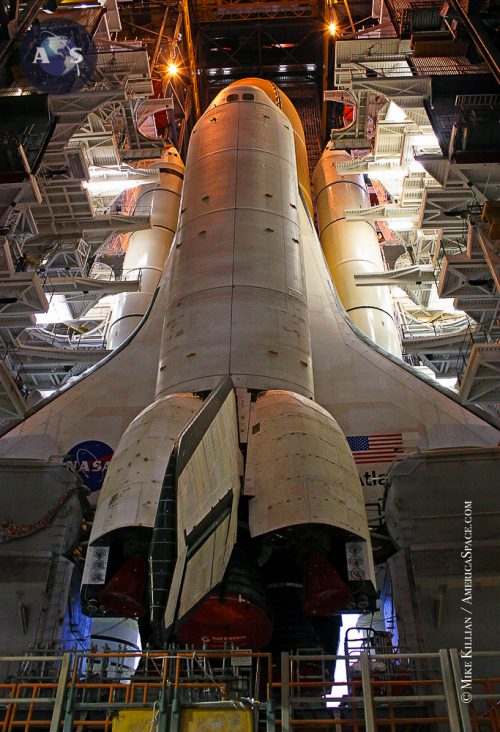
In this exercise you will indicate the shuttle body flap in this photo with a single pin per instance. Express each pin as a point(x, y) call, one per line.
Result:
point(208, 466)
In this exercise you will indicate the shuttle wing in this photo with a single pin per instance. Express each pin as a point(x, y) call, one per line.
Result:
point(370, 392)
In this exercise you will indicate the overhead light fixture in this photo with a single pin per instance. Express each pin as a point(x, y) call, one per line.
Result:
point(395, 113)
point(394, 173)
point(397, 224)
point(416, 167)
point(173, 69)
point(58, 312)
point(332, 27)
point(425, 140)
point(109, 187)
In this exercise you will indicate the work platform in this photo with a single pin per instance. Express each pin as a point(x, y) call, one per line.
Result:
point(243, 691)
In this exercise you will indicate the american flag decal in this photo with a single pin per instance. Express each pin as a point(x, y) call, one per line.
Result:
point(376, 448)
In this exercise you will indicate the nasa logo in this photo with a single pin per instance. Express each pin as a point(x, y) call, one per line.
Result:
point(58, 57)
point(90, 460)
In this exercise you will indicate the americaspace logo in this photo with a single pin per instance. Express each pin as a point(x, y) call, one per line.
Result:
point(58, 57)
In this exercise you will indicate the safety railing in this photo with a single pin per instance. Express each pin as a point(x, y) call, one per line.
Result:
point(384, 691)
point(66, 336)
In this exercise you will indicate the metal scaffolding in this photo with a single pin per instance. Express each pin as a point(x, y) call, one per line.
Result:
point(395, 691)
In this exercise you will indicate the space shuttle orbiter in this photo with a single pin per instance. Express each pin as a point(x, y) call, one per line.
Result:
point(232, 509)
point(257, 482)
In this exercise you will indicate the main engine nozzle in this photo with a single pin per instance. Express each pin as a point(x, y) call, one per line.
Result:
point(124, 593)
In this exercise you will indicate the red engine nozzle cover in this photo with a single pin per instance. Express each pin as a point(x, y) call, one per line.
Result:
point(325, 592)
point(229, 619)
point(124, 593)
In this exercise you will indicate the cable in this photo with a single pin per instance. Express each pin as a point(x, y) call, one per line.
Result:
point(154, 717)
point(9, 531)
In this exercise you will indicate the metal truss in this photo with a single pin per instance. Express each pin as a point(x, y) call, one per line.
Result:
point(239, 10)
